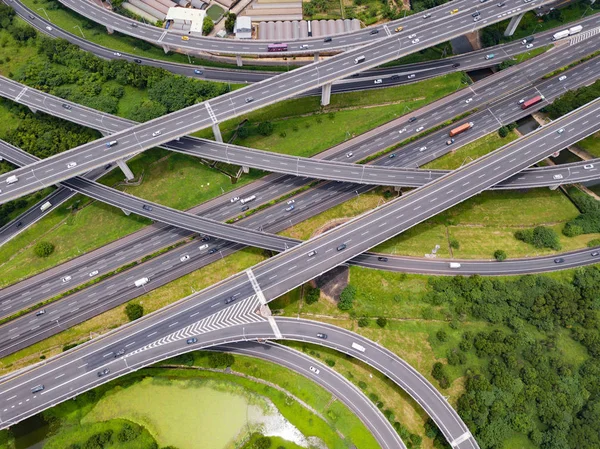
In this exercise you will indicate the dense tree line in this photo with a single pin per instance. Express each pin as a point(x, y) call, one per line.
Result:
point(588, 221)
point(526, 385)
point(572, 99)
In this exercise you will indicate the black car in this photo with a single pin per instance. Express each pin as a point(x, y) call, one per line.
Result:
point(19, 224)
point(455, 65)
point(119, 352)
point(321, 335)
point(66, 106)
point(355, 75)
point(212, 251)
point(412, 119)
point(205, 238)
point(31, 17)
point(191, 341)
point(382, 259)
point(139, 61)
point(395, 77)
point(107, 166)
point(104, 372)
point(374, 32)
point(341, 247)
point(327, 39)
point(595, 254)
point(40, 312)
point(245, 208)
point(559, 260)
point(146, 207)
point(229, 300)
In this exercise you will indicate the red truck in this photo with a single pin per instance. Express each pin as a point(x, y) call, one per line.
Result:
point(531, 102)
point(460, 129)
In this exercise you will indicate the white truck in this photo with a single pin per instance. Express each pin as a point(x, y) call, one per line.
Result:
point(575, 30)
point(141, 281)
point(358, 347)
point(46, 206)
point(564, 33)
point(454, 265)
point(12, 179)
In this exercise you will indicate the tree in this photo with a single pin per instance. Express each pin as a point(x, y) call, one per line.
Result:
point(220, 359)
point(454, 244)
point(347, 298)
point(43, 249)
point(262, 442)
point(265, 128)
point(207, 26)
point(441, 335)
point(312, 295)
point(381, 321)
point(503, 132)
point(499, 255)
point(363, 321)
point(230, 22)
point(134, 311)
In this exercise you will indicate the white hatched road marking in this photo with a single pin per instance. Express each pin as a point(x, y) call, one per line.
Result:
point(583, 36)
point(256, 287)
point(241, 313)
point(21, 94)
point(464, 437)
point(387, 30)
point(211, 113)
point(162, 36)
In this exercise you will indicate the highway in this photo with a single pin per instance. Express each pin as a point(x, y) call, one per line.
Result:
point(364, 80)
point(384, 171)
point(439, 19)
point(196, 315)
point(202, 115)
point(336, 384)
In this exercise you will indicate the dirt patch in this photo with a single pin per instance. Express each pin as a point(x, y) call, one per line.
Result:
point(333, 282)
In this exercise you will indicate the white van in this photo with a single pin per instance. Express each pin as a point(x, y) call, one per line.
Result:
point(358, 347)
point(202, 247)
point(454, 265)
point(141, 281)
point(46, 206)
point(359, 59)
point(12, 179)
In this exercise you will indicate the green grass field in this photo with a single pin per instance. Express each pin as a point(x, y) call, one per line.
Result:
point(214, 12)
point(591, 144)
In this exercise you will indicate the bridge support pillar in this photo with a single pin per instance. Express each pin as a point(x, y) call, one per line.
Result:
point(166, 48)
point(514, 23)
point(325, 94)
point(32, 109)
point(126, 170)
point(316, 57)
point(553, 187)
point(126, 212)
point(245, 169)
point(217, 133)
point(238, 60)
point(109, 30)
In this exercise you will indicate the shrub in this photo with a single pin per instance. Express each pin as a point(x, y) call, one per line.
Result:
point(128, 433)
point(207, 26)
point(499, 255)
point(381, 321)
point(220, 359)
point(362, 384)
point(262, 442)
point(312, 295)
point(265, 128)
point(441, 335)
point(230, 22)
point(593, 242)
point(454, 244)
point(363, 321)
point(347, 298)
point(540, 237)
point(503, 132)
point(330, 362)
point(134, 311)
point(43, 249)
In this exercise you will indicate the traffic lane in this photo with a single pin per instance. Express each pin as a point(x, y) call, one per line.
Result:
point(398, 215)
point(386, 362)
point(327, 378)
point(302, 79)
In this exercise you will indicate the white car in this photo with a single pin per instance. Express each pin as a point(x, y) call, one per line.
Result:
point(588, 166)
point(412, 36)
point(402, 130)
point(72, 164)
point(303, 47)
point(66, 279)
point(156, 133)
point(117, 53)
point(468, 100)
point(419, 129)
point(559, 176)
point(529, 46)
point(522, 100)
point(184, 258)
point(562, 78)
point(560, 131)
point(314, 370)
point(422, 149)
point(49, 28)
point(415, 41)
point(378, 81)
point(349, 154)
point(234, 199)
point(93, 273)
point(291, 201)
point(411, 76)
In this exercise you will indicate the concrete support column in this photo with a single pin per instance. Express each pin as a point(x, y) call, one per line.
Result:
point(553, 187)
point(32, 109)
point(217, 133)
point(245, 169)
point(316, 57)
point(325, 94)
point(514, 23)
point(126, 212)
point(110, 30)
point(238, 60)
point(126, 170)
point(166, 48)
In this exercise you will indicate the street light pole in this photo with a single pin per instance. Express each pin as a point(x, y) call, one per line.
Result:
point(80, 30)
point(48, 18)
